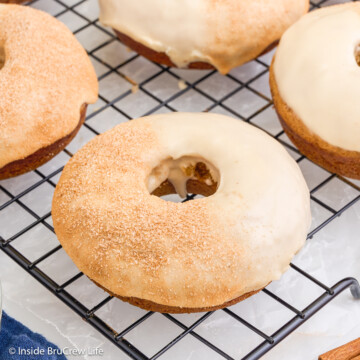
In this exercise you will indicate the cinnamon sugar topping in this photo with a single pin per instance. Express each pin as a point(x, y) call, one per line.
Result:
point(45, 79)
point(194, 254)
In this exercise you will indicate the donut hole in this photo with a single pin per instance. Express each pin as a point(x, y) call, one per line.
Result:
point(357, 54)
point(2, 56)
point(186, 175)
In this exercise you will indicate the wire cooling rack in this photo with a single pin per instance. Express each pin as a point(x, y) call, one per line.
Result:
point(131, 86)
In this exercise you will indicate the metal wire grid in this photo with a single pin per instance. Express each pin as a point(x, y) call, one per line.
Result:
point(161, 104)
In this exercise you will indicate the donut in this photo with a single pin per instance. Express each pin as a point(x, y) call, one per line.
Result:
point(171, 257)
point(202, 34)
point(46, 82)
point(315, 82)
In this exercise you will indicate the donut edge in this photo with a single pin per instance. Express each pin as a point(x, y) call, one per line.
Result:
point(155, 56)
point(331, 158)
point(164, 189)
point(163, 59)
point(41, 156)
point(155, 307)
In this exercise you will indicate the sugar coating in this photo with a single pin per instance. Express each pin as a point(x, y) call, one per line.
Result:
point(195, 254)
point(45, 79)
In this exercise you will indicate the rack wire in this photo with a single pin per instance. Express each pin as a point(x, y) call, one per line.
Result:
point(196, 88)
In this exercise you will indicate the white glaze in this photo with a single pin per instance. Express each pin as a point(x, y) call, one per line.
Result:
point(176, 171)
point(317, 74)
point(262, 197)
point(195, 254)
point(137, 19)
point(225, 34)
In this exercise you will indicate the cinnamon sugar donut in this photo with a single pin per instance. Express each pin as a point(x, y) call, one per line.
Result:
point(201, 34)
point(315, 83)
point(46, 82)
point(199, 255)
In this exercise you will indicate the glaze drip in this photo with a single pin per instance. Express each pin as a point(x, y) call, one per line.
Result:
point(179, 171)
point(357, 54)
point(205, 31)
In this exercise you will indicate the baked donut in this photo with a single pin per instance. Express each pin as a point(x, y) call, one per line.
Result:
point(201, 34)
point(195, 256)
point(315, 83)
point(46, 82)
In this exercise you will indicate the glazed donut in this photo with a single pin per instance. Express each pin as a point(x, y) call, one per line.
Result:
point(315, 83)
point(199, 255)
point(46, 82)
point(201, 34)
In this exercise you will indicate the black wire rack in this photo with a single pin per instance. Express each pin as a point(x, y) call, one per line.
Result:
point(159, 102)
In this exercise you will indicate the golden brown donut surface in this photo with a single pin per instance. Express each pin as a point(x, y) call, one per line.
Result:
point(331, 158)
point(182, 257)
point(41, 156)
point(46, 80)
